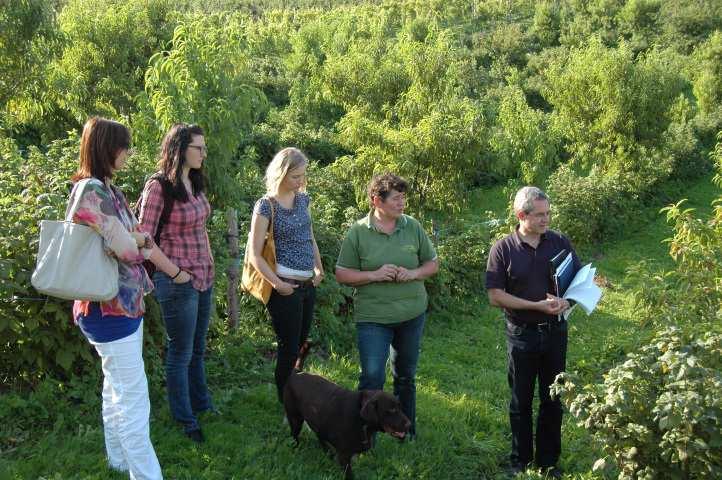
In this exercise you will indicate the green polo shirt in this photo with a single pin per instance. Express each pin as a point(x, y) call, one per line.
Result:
point(365, 248)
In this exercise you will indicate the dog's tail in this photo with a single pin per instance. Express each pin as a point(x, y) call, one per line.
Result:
point(302, 354)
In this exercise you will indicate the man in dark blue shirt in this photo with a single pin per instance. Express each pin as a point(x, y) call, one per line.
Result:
point(518, 280)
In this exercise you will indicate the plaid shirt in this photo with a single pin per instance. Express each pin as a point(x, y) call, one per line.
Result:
point(184, 238)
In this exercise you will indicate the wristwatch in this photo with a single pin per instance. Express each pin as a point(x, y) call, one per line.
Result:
point(148, 242)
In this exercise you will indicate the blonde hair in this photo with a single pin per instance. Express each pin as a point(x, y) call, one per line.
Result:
point(288, 159)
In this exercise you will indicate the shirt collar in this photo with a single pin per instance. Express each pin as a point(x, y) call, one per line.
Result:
point(519, 241)
point(400, 222)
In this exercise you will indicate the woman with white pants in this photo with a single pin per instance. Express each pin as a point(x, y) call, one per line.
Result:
point(115, 327)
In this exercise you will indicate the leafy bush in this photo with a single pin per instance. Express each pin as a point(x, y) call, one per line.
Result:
point(37, 334)
point(204, 79)
point(657, 415)
point(692, 291)
point(588, 208)
point(463, 250)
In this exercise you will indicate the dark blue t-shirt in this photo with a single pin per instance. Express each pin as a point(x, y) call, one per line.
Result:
point(100, 329)
point(291, 231)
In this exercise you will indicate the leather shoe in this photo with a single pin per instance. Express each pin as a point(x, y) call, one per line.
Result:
point(552, 472)
point(196, 435)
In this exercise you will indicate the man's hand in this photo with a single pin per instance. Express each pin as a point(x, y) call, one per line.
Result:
point(552, 305)
point(405, 275)
point(387, 273)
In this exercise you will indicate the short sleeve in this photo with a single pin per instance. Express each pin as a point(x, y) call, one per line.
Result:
point(349, 256)
point(575, 258)
point(426, 248)
point(496, 268)
point(263, 207)
point(151, 206)
point(305, 200)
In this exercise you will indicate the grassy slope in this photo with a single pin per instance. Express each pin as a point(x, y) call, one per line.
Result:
point(462, 395)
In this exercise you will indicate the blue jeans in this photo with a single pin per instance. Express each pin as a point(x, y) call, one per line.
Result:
point(535, 353)
point(402, 340)
point(186, 313)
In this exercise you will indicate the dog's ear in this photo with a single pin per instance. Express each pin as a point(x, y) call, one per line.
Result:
point(369, 403)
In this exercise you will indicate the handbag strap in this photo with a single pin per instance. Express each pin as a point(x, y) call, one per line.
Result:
point(76, 194)
point(273, 212)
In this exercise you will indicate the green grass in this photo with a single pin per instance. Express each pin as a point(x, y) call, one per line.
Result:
point(462, 394)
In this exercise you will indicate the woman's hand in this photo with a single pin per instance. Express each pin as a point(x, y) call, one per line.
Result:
point(317, 277)
point(285, 288)
point(140, 238)
point(387, 273)
point(405, 275)
point(183, 277)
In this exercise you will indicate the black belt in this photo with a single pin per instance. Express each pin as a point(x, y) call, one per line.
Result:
point(300, 283)
point(538, 325)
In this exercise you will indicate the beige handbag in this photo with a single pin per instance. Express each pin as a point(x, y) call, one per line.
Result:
point(72, 263)
point(251, 279)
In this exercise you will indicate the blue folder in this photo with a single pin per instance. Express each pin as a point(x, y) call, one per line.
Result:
point(562, 271)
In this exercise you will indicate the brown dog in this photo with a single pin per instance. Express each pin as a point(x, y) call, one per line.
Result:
point(342, 418)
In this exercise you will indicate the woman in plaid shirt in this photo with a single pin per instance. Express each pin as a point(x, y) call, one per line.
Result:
point(184, 293)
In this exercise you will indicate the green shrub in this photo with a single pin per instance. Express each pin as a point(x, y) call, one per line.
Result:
point(37, 334)
point(657, 415)
point(588, 208)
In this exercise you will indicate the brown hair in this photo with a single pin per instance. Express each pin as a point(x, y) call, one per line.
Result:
point(100, 143)
point(173, 155)
point(382, 185)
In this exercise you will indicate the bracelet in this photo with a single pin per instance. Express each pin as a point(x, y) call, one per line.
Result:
point(176, 275)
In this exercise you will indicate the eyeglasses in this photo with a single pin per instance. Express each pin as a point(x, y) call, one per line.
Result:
point(200, 148)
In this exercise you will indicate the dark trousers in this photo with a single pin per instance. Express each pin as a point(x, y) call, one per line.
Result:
point(535, 352)
point(291, 316)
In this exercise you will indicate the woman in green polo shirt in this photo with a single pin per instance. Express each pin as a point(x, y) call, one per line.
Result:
point(386, 256)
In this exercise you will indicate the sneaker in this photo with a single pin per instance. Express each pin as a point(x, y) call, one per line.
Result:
point(196, 435)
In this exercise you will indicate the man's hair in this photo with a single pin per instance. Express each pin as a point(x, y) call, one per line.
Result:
point(100, 143)
point(525, 198)
point(382, 185)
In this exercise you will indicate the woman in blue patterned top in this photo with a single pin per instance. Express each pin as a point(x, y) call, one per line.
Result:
point(298, 262)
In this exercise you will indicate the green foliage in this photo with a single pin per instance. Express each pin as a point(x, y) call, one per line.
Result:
point(657, 415)
point(692, 291)
point(204, 78)
point(590, 207)
point(523, 140)
point(26, 37)
point(613, 109)
point(707, 78)
point(407, 112)
point(106, 47)
point(463, 250)
point(38, 334)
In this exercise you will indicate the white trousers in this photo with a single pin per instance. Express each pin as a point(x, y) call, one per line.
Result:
point(126, 407)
